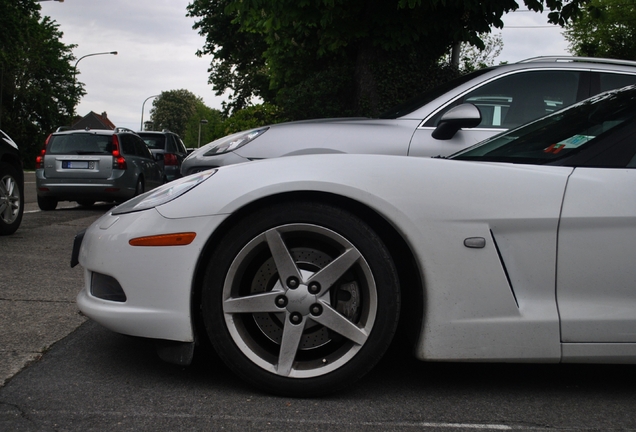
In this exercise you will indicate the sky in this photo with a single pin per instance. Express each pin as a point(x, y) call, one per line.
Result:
point(156, 47)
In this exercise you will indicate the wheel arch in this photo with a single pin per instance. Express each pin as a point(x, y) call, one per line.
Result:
point(15, 162)
point(411, 284)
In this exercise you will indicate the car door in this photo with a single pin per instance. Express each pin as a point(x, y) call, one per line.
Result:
point(505, 102)
point(153, 173)
point(596, 271)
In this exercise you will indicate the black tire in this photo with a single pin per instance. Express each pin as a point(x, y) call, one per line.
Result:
point(86, 203)
point(362, 311)
point(140, 188)
point(47, 203)
point(11, 199)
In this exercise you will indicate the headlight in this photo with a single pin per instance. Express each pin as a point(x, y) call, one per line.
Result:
point(163, 194)
point(234, 141)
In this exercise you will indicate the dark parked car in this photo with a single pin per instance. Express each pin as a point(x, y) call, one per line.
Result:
point(507, 96)
point(168, 149)
point(94, 165)
point(11, 185)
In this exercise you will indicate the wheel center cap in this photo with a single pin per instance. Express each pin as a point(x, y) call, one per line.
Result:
point(300, 299)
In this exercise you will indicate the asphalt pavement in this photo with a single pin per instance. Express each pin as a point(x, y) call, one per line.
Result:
point(37, 285)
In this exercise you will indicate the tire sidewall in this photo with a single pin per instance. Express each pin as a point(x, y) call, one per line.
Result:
point(356, 232)
point(10, 171)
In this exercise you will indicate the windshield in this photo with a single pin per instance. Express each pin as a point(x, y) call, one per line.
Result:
point(154, 141)
point(560, 134)
point(412, 104)
point(80, 144)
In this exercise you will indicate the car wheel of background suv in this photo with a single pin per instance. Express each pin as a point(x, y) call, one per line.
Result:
point(47, 203)
point(140, 187)
point(11, 200)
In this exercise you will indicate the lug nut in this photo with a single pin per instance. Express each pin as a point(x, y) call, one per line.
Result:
point(292, 282)
point(296, 318)
point(281, 301)
point(315, 309)
point(314, 288)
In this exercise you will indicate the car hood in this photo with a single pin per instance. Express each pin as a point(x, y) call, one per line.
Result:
point(440, 188)
point(342, 135)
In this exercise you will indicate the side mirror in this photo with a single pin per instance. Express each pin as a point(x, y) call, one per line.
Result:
point(462, 116)
point(158, 156)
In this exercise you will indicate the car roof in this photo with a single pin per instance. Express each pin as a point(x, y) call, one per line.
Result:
point(93, 131)
point(164, 132)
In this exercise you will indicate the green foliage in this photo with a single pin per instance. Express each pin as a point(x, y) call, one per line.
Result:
point(237, 62)
point(173, 109)
point(209, 131)
point(606, 28)
point(326, 93)
point(250, 118)
point(39, 91)
point(282, 50)
point(472, 58)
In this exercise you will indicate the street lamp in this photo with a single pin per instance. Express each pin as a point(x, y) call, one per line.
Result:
point(141, 126)
point(201, 122)
point(93, 54)
point(84, 56)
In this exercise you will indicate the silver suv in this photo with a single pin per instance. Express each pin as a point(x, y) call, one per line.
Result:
point(168, 150)
point(94, 165)
point(436, 123)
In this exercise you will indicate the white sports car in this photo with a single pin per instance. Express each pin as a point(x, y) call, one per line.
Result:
point(299, 269)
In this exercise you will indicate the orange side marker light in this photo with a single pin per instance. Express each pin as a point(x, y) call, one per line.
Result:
point(177, 239)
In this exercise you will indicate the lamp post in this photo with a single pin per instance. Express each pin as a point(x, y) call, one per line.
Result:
point(201, 122)
point(141, 126)
point(84, 56)
point(93, 54)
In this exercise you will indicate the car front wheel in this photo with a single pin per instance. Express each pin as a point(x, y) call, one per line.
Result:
point(301, 299)
point(11, 200)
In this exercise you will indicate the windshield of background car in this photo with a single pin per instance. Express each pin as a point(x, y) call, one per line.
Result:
point(80, 144)
point(412, 104)
point(157, 142)
point(561, 134)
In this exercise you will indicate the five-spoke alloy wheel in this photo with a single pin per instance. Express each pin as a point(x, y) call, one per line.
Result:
point(301, 299)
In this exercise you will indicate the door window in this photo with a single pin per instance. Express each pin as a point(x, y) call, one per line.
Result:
point(610, 81)
point(515, 99)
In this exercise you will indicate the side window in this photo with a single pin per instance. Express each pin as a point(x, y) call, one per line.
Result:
point(610, 81)
point(180, 145)
point(518, 98)
point(171, 148)
point(127, 144)
point(141, 148)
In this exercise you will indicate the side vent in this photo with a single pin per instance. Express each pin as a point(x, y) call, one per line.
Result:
point(503, 266)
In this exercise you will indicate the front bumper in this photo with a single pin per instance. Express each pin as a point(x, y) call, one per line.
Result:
point(157, 281)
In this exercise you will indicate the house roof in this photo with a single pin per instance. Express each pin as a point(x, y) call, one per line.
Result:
point(92, 120)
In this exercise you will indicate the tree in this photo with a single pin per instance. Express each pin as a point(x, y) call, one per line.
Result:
point(472, 58)
point(209, 131)
point(237, 64)
point(366, 44)
point(605, 28)
point(250, 118)
point(173, 109)
point(38, 87)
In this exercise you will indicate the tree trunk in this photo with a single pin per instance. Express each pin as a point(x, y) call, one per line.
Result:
point(366, 95)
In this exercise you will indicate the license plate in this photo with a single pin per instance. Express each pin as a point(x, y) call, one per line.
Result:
point(77, 164)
